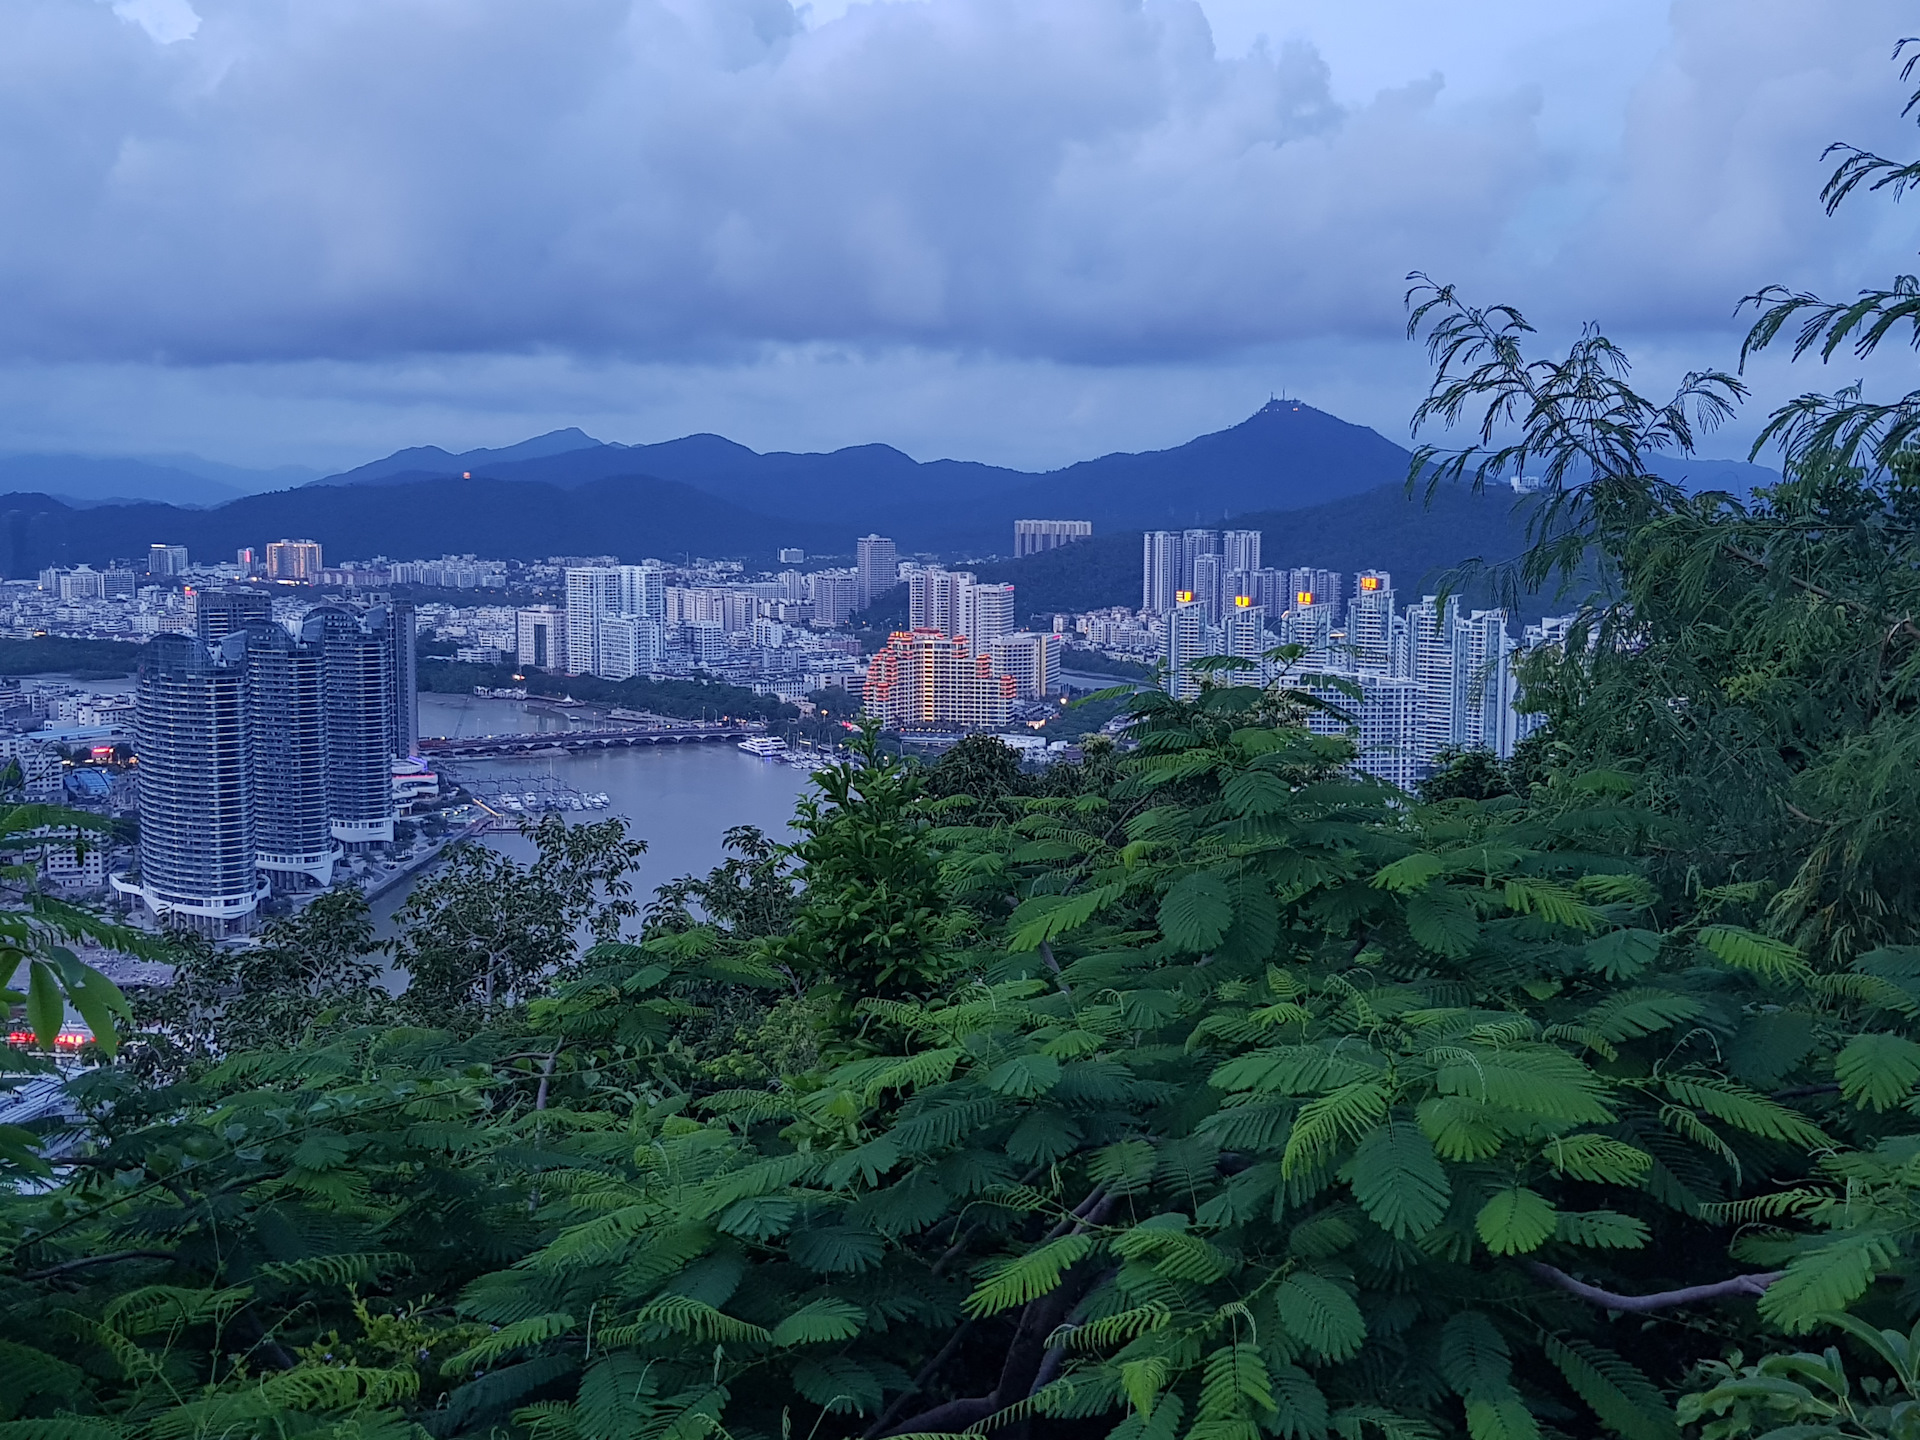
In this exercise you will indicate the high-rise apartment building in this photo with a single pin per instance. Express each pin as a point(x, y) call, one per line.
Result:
point(1194, 544)
point(1370, 617)
point(297, 560)
point(404, 640)
point(166, 559)
point(218, 613)
point(542, 637)
point(248, 559)
point(1243, 635)
point(706, 641)
point(877, 565)
point(1239, 550)
point(1031, 537)
point(1208, 585)
point(643, 592)
point(986, 613)
point(593, 592)
point(1483, 689)
point(1311, 625)
point(1386, 721)
point(198, 866)
point(1428, 657)
point(1161, 581)
point(630, 645)
point(923, 677)
point(1032, 659)
point(83, 582)
point(358, 650)
point(1319, 587)
point(835, 595)
point(1188, 638)
point(936, 598)
point(287, 709)
point(793, 555)
point(258, 752)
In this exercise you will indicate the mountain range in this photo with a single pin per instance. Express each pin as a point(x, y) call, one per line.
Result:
point(568, 493)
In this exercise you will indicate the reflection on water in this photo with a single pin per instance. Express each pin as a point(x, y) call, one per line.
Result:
point(680, 799)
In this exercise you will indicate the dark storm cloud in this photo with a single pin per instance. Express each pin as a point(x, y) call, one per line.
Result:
point(1076, 178)
point(302, 221)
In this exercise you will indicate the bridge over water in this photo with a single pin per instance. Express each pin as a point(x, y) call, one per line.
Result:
point(481, 746)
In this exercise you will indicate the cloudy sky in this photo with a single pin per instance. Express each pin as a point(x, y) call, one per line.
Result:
point(273, 231)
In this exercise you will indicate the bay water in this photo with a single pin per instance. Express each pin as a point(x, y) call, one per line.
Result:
point(680, 799)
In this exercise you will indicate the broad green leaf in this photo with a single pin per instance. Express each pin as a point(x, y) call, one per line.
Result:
point(1410, 873)
point(1398, 1180)
point(1830, 1277)
point(1515, 1221)
point(819, 1322)
point(1622, 954)
point(1320, 1315)
point(1024, 1076)
point(1197, 912)
point(1026, 1277)
point(1774, 961)
point(1598, 1158)
point(1443, 920)
point(1600, 1229)
point(45, 1008)
point(1473, 1357)
point(1625, 1401)
point(1877, 1072)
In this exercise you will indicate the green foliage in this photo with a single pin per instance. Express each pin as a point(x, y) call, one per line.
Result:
point(484, 932)
point(1203, 1091)
point(86, 659)
point(307, 974)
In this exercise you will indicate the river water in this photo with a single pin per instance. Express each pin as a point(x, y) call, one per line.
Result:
point(680, 799)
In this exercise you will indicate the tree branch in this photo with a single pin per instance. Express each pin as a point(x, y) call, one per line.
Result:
point(111, 1259)
point(920, 1381)
point(1026, 1353)
point(546, 1078)
point(1661, 1300)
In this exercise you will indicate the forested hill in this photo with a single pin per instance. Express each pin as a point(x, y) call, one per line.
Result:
point(1284, 456)
point(1310, 477)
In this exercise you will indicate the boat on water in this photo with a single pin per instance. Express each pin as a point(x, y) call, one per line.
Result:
point(767, 747)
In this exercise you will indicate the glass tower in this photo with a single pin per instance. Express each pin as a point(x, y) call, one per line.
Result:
point(358, 656)
point(197, 863)
point(287, 681)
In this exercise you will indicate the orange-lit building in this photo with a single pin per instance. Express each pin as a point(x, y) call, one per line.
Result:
point(927, 677)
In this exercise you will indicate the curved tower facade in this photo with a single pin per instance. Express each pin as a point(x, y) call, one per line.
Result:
point(287, 698)
point(197, 860)
point(358, 668)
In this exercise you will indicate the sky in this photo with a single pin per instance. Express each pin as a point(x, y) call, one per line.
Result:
point(271, 232)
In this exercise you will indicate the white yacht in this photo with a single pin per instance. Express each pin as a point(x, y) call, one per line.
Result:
point(767, 747)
